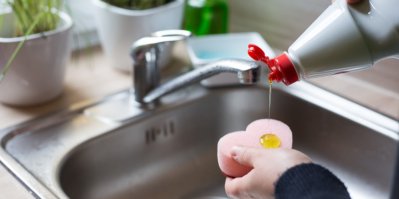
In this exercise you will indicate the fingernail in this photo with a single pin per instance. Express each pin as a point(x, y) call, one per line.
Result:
point(235, 151)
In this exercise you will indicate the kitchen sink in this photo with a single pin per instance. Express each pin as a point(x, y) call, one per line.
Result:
point(115, 149)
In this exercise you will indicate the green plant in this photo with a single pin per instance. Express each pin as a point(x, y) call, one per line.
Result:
point(32, 16)
point(137, 4)
point(27, 12)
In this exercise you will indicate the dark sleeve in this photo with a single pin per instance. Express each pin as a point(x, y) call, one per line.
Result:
point(395, 187)
point(310, 181)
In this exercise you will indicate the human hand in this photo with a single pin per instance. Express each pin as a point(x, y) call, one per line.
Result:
point(268, 165)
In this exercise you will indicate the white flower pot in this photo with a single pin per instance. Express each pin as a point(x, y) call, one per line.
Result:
point(37, 73)
point(118, 28)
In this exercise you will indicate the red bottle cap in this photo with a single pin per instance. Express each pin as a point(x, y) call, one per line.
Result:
point(281, 67)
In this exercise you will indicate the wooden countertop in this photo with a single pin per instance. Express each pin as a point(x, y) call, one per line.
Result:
point(89, 78)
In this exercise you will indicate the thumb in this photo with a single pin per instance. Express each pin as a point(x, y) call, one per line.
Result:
point(244, 155)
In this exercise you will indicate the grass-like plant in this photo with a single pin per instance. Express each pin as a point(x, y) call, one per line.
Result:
point(137, 4)
point(32, 16)
point(43, 14)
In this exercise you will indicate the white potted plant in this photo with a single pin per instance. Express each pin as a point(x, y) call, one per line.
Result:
point(121, 22)
point(35, 38)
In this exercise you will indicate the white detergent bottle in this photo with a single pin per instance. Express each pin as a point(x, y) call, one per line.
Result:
point(343, 38)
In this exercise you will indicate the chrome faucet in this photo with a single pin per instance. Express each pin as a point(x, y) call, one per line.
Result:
point(146, 53)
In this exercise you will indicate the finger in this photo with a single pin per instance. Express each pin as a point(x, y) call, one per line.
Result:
point(231, 187)
point(245, 155)
point(242, 187)
point(235, 187)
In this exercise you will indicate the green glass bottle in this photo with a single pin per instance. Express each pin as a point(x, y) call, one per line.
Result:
point(203, 17)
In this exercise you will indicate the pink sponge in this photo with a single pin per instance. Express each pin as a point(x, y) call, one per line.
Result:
point(251, 138)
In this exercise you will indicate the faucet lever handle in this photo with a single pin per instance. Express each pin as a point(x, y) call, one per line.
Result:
point(146, 54)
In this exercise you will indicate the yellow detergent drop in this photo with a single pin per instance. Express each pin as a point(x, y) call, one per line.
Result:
point(270, 140)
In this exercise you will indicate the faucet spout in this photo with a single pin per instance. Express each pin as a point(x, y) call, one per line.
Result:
point(247, 73)
point(146, 53)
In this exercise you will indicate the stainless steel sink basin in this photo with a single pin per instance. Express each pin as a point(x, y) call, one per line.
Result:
point(107, 150)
